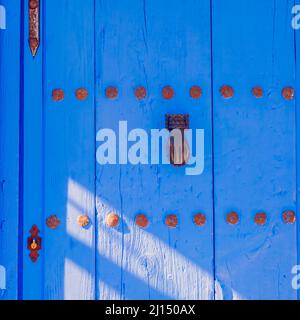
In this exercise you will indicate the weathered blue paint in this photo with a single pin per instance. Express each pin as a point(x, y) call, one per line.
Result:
point(9, 144)
point(251, 148)
point(254, 149)
point(154, 44)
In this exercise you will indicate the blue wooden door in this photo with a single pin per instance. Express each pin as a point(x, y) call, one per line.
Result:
point(148, 230)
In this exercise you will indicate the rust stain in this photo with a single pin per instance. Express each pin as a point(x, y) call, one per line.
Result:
point(232, 218)
point(227, 91)
point(52, 222)
point(260, 218)
point(58, 95)
point(142, 221)
point(288, 93)
point(81, 94)
point(112, 220)
point(258, 92)
point(111, 92)
point(140, 93)
point(200, 219)
point(34, 26)
point(83, 221)
point(195, 92)
point(171, 221)
point(168, 92)
point(289, 217)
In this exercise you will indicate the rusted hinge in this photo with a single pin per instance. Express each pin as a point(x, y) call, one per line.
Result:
point(34, 26)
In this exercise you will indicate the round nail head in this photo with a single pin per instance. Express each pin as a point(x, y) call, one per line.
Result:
point(227, 92)
point(52, 222)
point(58, 95)
point(111, 92)
point(33, 4)
point(81, 94)
point(83, 221)
point(171, 221)
point(288, 93)
point(232, 218)
point(289, 217)
point(200, 219)
point(260, 218)
point(142, 221)
point(168, 92)
point(140, 93)
point(195, 92)
point(112, 220)
point(257, 92)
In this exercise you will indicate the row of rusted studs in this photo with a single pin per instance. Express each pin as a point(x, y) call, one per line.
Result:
point(171, 220)
point(168, 93)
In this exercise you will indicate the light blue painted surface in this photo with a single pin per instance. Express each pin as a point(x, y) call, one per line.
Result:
point(254, 148)
point(153, 44)
point(95, 44)
point(9, 145)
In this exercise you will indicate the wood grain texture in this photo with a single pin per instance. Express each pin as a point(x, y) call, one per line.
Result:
point(59, 153)
point(9, 146)
point(69, 150)
point(254, 148)
point(153, 44)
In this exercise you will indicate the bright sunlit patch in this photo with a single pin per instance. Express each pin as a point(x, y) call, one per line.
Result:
point(2, 278)
point(2, 18)
point(80, 202)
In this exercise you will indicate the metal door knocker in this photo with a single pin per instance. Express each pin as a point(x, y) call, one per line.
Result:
point(178, 148)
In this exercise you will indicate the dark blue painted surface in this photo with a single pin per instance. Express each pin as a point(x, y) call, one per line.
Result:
point(250, 150)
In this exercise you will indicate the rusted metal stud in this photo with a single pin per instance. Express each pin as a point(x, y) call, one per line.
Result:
point(289, 217)
point(52, 222)
point(34, 243)
point(81, 94)
point(232, 218)
point(112, 220)
point(140, 93)
point(200, 219)
point(83, 221)
point(142, 221)
point(258, 92)
point(168, 92)
point(195, 92)
point(288, 93)
point(111, 92)
point(171, 221)
point(58, 95)
point(260, 218)
point(227, 91)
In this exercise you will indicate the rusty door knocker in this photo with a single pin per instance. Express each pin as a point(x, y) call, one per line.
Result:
point(178, 148)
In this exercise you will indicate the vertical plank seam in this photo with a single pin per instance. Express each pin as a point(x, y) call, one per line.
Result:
point(213, 147)
point(96, 291)
point(21, 154)
point(297, 146)
point(43, 128)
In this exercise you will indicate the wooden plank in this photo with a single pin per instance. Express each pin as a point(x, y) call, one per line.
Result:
point(32, 197)
point(153, 44)
point(9, 145)
point(296, 16)
point(69, 150)
point(254, 147)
